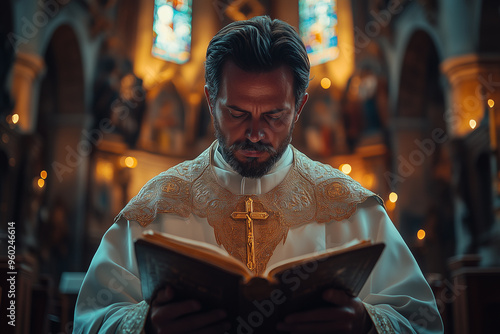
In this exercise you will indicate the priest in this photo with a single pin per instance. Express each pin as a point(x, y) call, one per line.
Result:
point(256, 73)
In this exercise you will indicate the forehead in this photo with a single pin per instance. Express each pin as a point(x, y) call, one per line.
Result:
point(270, 85)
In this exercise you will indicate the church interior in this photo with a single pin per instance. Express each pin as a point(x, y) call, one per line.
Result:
point(99, 96)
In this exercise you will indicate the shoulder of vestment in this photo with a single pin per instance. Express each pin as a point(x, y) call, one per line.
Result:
point(332, 194)
point(168, 192)
point(336, 194)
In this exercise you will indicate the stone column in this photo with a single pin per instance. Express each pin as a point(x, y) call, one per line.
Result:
point(474, 79)
point(474, 95)
point(27, 71)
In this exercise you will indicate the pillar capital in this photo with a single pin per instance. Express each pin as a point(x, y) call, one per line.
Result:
point(471, 65)
point(29, 64)
point(474, 78)
point(28, 69)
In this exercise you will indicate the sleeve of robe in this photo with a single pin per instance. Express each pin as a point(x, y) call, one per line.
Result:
point(396, 295)
point(110, 299)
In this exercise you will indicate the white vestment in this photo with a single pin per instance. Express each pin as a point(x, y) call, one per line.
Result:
point(396, 295)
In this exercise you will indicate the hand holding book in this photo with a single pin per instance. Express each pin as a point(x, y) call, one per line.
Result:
point(182, 316)
point(207, 274)
point(346, 314)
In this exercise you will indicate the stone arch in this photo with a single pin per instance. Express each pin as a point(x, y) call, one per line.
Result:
point(405, 30)
point(421, 157)
point(61, 125)
point(419, 68)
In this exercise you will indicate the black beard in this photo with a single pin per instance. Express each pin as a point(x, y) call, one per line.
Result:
point(251, 167)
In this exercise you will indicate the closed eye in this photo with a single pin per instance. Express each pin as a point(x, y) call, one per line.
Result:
point(275, 116)
point(236, 113)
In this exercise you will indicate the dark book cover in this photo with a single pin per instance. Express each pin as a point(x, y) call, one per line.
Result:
point(254, 305)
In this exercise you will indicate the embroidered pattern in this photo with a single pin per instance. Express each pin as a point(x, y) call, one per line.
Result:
point(381, 322)
point(134, 319)
point(311, 191)
point(168, 192)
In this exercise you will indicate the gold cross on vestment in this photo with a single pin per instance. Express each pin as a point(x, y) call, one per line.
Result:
point(250, 215)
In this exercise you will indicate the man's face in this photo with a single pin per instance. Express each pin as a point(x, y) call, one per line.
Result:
point(254, 115)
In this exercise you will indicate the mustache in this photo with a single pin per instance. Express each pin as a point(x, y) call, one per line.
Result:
point(251, 146)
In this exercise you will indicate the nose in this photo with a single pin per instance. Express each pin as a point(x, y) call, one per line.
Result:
point(255, 131)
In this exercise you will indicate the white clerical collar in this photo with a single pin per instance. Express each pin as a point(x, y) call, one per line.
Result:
point(237, 184)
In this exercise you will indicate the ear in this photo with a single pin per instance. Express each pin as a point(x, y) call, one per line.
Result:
point(207, 96)
point(301, 106)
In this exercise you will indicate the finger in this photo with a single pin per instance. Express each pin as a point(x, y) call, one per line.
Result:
point(337, 297)
point(320, 315)
point(163, 296)
point(197, 321)
point(168, 312)
point(357, 310)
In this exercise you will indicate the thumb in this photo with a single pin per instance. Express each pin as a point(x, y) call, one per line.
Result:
point(163, 296)
point(337, 297)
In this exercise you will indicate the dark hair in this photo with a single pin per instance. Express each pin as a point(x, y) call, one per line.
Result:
point(257, 45)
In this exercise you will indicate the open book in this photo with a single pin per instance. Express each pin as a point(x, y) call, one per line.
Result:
point(209, 274)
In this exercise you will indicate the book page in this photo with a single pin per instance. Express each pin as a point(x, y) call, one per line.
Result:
point(200, 250)
point(294, 261)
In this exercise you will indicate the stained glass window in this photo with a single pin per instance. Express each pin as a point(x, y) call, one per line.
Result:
point(172, 30)
point(318, 29)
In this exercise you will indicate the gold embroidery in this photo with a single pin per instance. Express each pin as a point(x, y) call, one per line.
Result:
point(134, 319)
point(232, 234)
point(380, 320)
point(249, 215)
point(168, 192)
point(310, 192)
